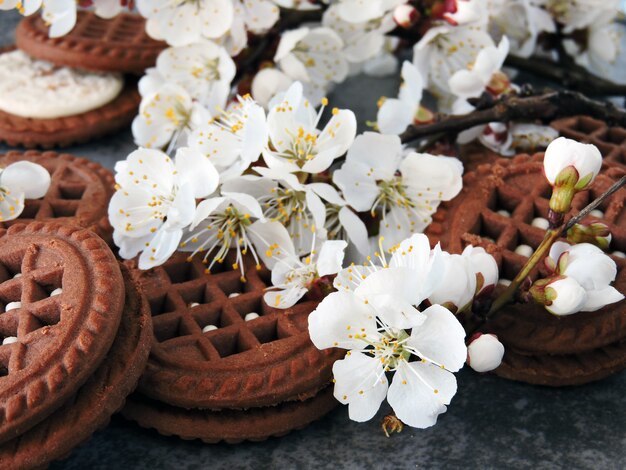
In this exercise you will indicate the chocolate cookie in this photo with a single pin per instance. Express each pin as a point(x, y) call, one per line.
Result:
point(498, 210)
point(120, 44)
point(207, 355)
point(231, 426)
point(79, 192)
point(62, 294)
point(610, 140)
point(65, 131)
point(563, 370)
point(101, 396)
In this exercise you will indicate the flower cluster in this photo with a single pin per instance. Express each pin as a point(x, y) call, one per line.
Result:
point(241, 158)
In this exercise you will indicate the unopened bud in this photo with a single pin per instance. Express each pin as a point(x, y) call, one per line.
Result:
point(569, 166)
point(406, 16)
point(423, 116)
point(564, 190)
point(560, 295)
point(485, 352)
point(597, 234)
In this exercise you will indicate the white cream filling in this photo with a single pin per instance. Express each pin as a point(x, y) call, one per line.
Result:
point(37, 89)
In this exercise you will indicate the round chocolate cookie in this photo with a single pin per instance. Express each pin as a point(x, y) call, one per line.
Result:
point(79, 192)
point(496, 210)
point(218, 345)
point(62, 296)
point(610, 140)
point(563, 370)
point(101, 396)
point(65, 131)
point(120, 44)
point(231, 426)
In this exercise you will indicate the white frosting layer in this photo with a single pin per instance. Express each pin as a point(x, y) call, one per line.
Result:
point(37, 89)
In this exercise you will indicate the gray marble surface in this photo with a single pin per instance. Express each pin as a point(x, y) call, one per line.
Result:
point(491, 423)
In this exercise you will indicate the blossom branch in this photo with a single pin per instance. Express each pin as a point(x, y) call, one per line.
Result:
point(551, 236)
point(583, 213)
point(545, 107)
point(573, 77)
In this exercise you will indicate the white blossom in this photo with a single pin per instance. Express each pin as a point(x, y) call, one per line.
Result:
point(293, 277)
point(204, 70)
point(312, 55)
point(402, 192)
point(156, 200)
point(166, 115)
point(268, 83)
point(482, 75)
point(296, 145)
point(588, 273)
point(445, 49)
point(521, 21)
point(369, 316)
point(234, 139)
point(182, 22)
point(360, 11)
point(396, 114)
point(230, 221)
point(20, 181)
point(362, 41)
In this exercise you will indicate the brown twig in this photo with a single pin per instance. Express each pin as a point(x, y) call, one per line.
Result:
point(573, 77)
point(546, 107)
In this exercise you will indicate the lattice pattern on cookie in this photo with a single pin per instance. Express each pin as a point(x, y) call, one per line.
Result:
point(193, 301)
point(610, 140)
point(30, 299)
point(218, 345)
point(79, 190)
point(518, 187)
point(511, 219)
point(117, 44)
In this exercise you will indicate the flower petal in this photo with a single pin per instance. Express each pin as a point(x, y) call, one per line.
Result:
point(330, 259)
point(420, 392)
point(342, 320)
point(25, 177)
point(361, 383)
point(440, 339)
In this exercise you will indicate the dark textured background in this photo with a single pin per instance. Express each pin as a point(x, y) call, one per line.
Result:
point(491, 423)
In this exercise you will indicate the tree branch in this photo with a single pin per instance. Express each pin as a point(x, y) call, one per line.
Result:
point(573, 77)
point(546, 107)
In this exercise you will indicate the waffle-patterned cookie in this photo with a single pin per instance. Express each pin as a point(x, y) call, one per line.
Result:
point(101, 396)
point(230, 426)
point(563, 370)
point(116, 45)
point(79, 192)
point(62, 296)
point(496, 210)
point(610, 140)
point(65, 131)
point(207, 355)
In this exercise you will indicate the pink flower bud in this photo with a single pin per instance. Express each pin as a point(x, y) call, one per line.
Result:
point(485, 353)
point(406, 16)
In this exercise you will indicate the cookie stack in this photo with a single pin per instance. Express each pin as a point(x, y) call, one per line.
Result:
point(75, 335)
point(224, 366)
point(61, 91)
point(504, 209)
